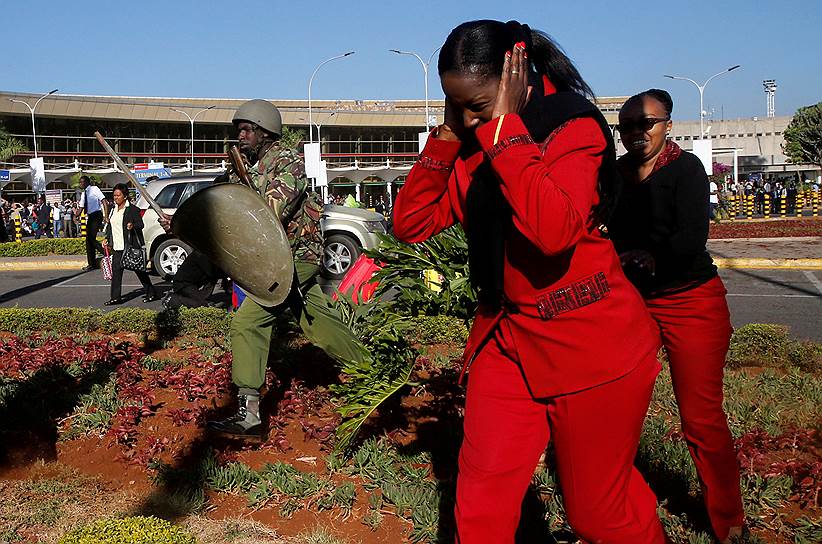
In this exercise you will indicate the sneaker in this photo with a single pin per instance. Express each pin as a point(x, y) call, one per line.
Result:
point(246, 421)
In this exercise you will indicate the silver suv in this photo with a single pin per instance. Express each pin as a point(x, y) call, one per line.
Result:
point(166, 252)
point(347, 231)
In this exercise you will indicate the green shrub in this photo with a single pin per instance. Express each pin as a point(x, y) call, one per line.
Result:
point(759, 344)
point(44, 246)
point(440, 329)
point(805, 356)
point(133, 530)
point(201, 322)
point(58, 320)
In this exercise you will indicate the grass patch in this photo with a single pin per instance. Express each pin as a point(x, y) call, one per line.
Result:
point(44, 246)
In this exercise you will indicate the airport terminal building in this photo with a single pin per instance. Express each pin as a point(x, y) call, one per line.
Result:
point(369, 146)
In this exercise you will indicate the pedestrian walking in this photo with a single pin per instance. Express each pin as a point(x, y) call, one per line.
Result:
point(57, 219)
point(96, 208)
point(124, 230)
point(660, 228)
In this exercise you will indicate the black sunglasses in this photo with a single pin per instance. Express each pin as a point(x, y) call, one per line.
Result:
point(645, 124)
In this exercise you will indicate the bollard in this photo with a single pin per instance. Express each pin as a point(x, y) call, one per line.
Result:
point(731, 206)
point(749, 206)
point(766, 210)
point(18, 230)
point(783, 206)
point(83, 220)
point(799, 203)
point(816, 203)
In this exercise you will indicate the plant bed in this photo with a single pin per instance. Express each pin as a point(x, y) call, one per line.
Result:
point(777, 228)
point(114, 416)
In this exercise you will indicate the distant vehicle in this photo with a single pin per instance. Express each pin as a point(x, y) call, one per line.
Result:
point(166, 252)
point(347, 231)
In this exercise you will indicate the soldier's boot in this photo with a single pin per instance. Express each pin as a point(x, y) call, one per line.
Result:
point(246, 422)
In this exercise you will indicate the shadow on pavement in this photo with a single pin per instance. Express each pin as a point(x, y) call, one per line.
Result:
point(750, 274)
point(28, 289)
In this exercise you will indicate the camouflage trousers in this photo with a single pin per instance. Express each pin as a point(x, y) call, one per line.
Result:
point(320, 321)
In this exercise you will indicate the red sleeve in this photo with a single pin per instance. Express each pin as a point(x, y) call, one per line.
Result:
point(423, 207)
point(551, 195)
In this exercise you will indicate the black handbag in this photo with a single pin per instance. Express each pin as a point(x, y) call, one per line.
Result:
point(134, 256)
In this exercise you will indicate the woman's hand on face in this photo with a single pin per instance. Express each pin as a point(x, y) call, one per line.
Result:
point(638, 259)
point(451, 128)
point(513, 90)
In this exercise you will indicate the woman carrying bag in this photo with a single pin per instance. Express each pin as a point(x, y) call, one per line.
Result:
point(124, 236)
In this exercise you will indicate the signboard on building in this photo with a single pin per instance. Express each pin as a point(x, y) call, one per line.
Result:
point(322, 178)
point(704, 150)
point(312, 160)
point(53, 196)
point(5, 176)
point(38, 175)
point(144, 170)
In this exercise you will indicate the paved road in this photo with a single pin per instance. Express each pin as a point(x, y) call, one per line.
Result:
point(791, 297)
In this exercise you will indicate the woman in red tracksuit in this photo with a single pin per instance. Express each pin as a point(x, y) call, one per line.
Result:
point(660, 227)
point(562, 347)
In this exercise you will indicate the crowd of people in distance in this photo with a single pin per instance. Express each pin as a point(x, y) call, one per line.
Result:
point(777, 190)
point(40, 219)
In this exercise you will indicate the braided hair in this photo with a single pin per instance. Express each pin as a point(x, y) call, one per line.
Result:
point(661, 96)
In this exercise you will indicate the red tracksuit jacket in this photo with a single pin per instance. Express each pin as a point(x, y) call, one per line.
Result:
point(579, 322)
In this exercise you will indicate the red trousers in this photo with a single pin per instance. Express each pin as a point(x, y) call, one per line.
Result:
point(595, 434)
point(696, 331)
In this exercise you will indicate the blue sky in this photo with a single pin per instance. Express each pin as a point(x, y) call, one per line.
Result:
point(269, 48)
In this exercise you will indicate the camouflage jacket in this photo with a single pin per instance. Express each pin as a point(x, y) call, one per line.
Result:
point(279, 176)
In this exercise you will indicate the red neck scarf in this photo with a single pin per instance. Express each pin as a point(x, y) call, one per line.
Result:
point(671, 153)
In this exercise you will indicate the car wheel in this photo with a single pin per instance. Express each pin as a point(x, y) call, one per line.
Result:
point(168, 257)
point(339, 254)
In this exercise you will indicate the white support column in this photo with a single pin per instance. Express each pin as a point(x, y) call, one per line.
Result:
point(388, 187)
point(736, 165)
point(357, 191)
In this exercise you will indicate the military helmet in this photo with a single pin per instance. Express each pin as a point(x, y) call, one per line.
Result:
point(262, 113)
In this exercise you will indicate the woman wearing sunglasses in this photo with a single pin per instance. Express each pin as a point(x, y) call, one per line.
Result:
point(660, 228)
point(562, 348)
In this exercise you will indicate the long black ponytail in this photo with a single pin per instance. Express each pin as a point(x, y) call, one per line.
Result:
point(478, 48)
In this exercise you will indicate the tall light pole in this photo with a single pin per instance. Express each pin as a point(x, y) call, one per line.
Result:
point(425, 66)
point(701, 91)
point(31, 109)
point(310, 81)
point(191, 120)
point(320, 124)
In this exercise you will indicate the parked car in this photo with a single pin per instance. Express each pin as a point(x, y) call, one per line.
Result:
point(166, 252)
point(347, 231)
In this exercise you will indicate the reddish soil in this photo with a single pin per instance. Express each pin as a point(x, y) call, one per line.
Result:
point(779, 228)
point(174, 403)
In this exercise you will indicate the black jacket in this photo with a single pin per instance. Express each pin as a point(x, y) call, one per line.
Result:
point(667, 216)
point(131, 215)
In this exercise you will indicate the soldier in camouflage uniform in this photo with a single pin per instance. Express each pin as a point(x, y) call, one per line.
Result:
point(279, 176)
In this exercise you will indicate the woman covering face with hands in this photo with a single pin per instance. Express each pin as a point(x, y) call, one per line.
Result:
point(562, 347)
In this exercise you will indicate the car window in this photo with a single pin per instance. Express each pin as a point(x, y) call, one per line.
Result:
point(191, 189)
point(170, 196)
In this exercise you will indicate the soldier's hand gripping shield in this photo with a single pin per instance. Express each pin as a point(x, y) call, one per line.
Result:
point(240, 234)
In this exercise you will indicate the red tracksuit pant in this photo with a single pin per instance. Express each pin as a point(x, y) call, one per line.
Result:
point(595, 434)
point(696, 331)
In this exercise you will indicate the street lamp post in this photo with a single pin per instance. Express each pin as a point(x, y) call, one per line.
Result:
point(310, 81)
point(191, 120)
point(31, 109)
point(319, 126)
point(701, 91)
point(425, 66)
